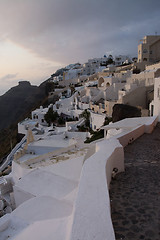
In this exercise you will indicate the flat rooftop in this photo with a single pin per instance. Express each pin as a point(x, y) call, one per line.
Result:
point(132, 123)
point(135, 193)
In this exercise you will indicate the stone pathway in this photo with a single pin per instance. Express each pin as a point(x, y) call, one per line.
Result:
point(135, 194)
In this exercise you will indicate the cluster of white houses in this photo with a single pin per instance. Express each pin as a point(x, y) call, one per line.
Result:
point(100, 94)
point(58, 186)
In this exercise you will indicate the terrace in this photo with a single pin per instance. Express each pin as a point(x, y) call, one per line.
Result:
point(135, 193)
point(82, 179)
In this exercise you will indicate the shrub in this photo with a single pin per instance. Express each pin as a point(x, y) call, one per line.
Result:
point(96, 135)
point(50, 116)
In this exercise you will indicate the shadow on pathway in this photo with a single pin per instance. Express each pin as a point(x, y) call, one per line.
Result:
point(135, 194)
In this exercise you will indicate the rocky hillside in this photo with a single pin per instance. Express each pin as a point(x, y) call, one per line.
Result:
point(18, 102)
point(15, 105)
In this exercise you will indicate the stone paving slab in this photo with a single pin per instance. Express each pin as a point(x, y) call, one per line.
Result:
point(135, 194)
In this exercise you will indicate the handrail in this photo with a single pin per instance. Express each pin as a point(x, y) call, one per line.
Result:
point(10, 156)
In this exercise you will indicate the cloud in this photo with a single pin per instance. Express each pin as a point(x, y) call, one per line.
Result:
point(8, 77)
point(6, 81)
point(67, 31)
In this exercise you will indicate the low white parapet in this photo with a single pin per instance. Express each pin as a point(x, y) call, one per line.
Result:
point(127, 137)
point(10, 156)
point(49, 154)
point(92, 219)
point(91, 214)
point(131, 128)
point(4, 222)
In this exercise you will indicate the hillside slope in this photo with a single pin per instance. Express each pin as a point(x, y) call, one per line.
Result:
point(17, 102)
point(15, 105)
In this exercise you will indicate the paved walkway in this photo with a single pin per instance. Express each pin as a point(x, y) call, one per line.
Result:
point(135, 194)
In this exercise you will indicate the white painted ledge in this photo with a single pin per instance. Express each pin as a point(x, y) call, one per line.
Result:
point(4, 222)
point(92, 218)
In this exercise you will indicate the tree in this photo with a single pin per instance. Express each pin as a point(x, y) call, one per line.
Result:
point(110, 61)
point(50, 116)
point(86, 115)
point(61, 121)
point(107, 121)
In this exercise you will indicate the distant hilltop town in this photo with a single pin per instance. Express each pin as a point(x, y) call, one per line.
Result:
point(57, 182)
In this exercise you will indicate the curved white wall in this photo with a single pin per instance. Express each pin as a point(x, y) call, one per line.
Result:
point(92, 218)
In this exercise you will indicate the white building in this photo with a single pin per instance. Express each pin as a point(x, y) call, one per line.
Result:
point(94, 65)
point(27, 124)
point(106, 81)
point(65, 196)
point(71, 74)
point(38, 115)
point(121, 59)
point(57, 79)
point(96, 120)
point(155, 104)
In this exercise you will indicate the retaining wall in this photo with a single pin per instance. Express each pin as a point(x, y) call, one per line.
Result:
point(91, 217)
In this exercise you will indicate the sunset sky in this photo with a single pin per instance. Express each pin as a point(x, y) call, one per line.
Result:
point(39, 36)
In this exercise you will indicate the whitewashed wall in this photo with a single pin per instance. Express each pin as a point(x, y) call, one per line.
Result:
point(92, 218)
point(156, 110)
point(96, 120)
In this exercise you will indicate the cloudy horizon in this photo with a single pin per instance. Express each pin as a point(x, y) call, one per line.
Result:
point(39, 36)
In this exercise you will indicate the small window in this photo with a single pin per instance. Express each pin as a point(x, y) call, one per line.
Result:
point(145, 51)
point(42, 120)
point(158, 92)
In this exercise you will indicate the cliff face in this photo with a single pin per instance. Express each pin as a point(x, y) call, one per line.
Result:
point(15, 105)
point(17, 102)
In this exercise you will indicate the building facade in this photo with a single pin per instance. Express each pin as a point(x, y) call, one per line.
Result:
point(149, 49)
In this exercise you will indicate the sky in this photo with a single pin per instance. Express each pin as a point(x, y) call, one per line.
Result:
point(37, 37)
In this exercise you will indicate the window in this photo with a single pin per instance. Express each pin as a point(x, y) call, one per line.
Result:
point(152, 108)
point(158, 93)
point(42, 120)
point(145, 51)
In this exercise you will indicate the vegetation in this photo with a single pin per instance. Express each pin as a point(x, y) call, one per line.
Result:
point(53, 117)
point(82, 128)
point(136, 71)
point(61, 121)
point(99, 133)
point(96, 135)
point(86, 115)
point(108, 61)
point(107, 121)
point(72, 88)
point(50, 116)
point(78, 85)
